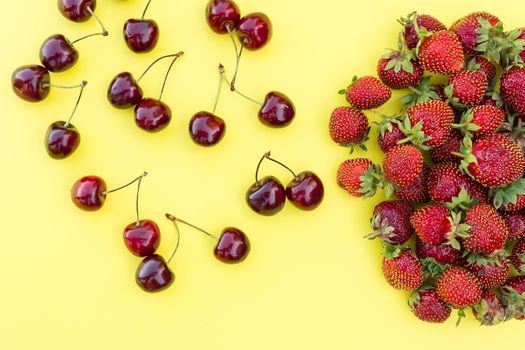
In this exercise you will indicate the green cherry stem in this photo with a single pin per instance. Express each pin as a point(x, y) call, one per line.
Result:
point(223, 73)
point(137, 179)
point(172, 219)
point(217, 96)
point(176, 219)
point(82, 86)
point(98, 20)
point(145, 10)
point(168, 73)
point(155, 62)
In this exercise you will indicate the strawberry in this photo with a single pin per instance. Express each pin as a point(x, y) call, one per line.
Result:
point(423, 92)
point(367, 93)
point(513, 53)
point(427, 306)
point(518, 256)
point(516, 224)
point(388, 132)
point(443, 253)
point(432, 223)
point(402, 165)
point(402, 269)
point(349, 127)
point(512, 88)
point(442, 53)
point(414, 23)
point(513, 297)
point(398, 70)
point(428, 124)
point(483, 65)
point(416, 191)
point(391, 222)
point(458, 287)
point(467, 88)
point(517, 206)
point(488, 232)
point(443, 152)
point(445, 182)
point(358, 177)
point(481, 120)
point(493, 160)
point(490, 310)
point(470, 30)
point(491, 273)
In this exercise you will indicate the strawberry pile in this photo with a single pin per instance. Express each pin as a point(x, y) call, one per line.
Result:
point(452, 226)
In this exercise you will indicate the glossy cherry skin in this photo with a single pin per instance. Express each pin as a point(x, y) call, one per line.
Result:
point(305, 191)
point(254, 30)
point(152, 115)
point(57, 54)
point(206, 129)
point(221, 15)
point(77, 10)
point(277, 110)
point(233, 246)
point(61, 140)
point(89, 193)
point(123, 91)
point(153, 274)
point(141, 35)
point(31, 83)
point(267, 196)
point(142, 239)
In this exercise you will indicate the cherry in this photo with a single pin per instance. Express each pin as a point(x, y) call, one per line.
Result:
point(31, 83)
point(153, 274)
point(232, 246)
point(277, 110)
point(267, 195)
point(77, 10)
point(222, 15)
point(124, 91)
point(141, 35)
point(305, 191)
point(206, 129)
point(142, 238)
point(254, 30)
point(62, 138)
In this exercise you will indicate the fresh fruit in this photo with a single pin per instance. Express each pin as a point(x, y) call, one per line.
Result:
point(443, 253)
point(471, 30)
point(483, 65)
point(254, 30)
point(427, 306)
point(367, 93)
point(388, 132)
point(153, 274)
point(398, 70)
point(142, 238)
point(442, 53)
point(31, 83)
point(348, 127)
point(489, 311)
point(444, 152)
point(513, 297)
point(432, 223)
point(277, 110)
point(402, 270)
point(206, 129)
point(141, 35)
point(518, 256)
point(488, 232)
point(402, 165)
point(512, 88)
point(413, 25)
point(491, 273)
point(358, 177)
point(77, 10)
point(222, 15)
point(516, 224)
point(467, 88)
point(416, 191)
point(459, 288)
point(481, 120)
point(391, 222)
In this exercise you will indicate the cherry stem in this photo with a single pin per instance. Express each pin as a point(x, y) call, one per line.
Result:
point(221, 69)
point(98, 20)
point(145, 9)
point(281, 164)
point(46, 85)
point(175, 219)
point(137, 198)
point(219, 88)
point(105, 33)
point(233, 40)
point(168, 73)
point(178, 237)
point(126, 185)
point(266, 155)
point(232, 84)
point(154, 62)
point(82, 86)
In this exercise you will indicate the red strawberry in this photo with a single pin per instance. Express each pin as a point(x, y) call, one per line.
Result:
point(348, 127)
point(402, 270)
point(516, 224)
point(467, 88)
point(493, 160)
point(468, 30)
point(491, 273)
point(391, 222)
point(398, 70)
point(367, 93)
point(512, 88)
point(358, 177)
point(443, 152)
point(433, 119)
point(489, 311)
point(423, 92)
point(518, 256)
point(402, 165)
point(416, 191)
point(480, 63)
point(488, 232)
point(481, 120)
point(513, 297)
point(388, 132)
point(442, 53)
point(442, 253)
point(458, 287)
point(411, 33)
point(517, 206)
point(427, 306)
point(432, 223)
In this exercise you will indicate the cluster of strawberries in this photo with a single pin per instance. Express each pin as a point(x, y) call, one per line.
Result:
point(454, 159)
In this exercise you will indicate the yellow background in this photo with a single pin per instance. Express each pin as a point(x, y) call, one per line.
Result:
point(311, 280)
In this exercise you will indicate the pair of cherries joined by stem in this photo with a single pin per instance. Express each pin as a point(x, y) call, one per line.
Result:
point(124, 92)
point(267, 195)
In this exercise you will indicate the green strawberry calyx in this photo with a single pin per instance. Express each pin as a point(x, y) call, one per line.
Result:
point(508, 194)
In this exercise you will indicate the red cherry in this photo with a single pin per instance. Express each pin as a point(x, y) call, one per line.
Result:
point(31, 83)
point(222, 15)
point(153, 274)
point(89, 193)
point(152, 115)
point(123, 91)
point(277, 110)
point(266, 196)
point(254, 30)
point(57, 53)
point(233, 246)
point(142, 238)
point(305, 191)
point(61, 139)
point(77, 10)
point(141, 35)
point(206, 129)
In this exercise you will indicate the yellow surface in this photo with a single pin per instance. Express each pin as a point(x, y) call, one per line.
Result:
point(311, 280)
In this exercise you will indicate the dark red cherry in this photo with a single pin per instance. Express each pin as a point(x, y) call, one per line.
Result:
point(141, 35)
point(142, 239)
point(153, 274)
point(89, 193)
point(233, 246)
point(31, 83)
point(57, 54)
point(77, 10)
point(266, 196)
point(61, 140)
point(123, 91)
point(254, 30)
point(152, 115)
point(221, 15)
point(277, 110)
point(305, 191)
point(206, 129)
